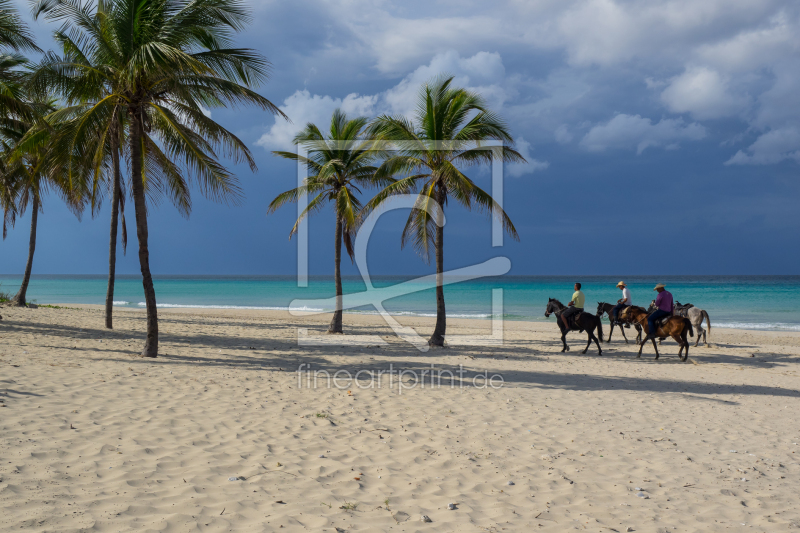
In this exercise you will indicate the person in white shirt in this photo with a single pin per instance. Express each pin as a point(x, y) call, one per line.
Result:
point(623, 302)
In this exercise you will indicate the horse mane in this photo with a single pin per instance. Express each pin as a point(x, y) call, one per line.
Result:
point(559, 303)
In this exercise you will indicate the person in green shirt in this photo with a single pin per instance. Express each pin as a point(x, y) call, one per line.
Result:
point(575, 306)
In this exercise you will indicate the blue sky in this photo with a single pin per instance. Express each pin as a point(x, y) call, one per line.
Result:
point(663, 137)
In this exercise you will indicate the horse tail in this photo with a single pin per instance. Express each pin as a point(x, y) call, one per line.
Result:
point(689, 325)
point(708, 320)
point(600, 329)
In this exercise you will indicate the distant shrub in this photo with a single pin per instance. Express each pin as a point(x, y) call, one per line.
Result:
point(4, 296)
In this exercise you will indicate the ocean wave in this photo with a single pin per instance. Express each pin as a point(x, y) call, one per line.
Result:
point(308, 309)
point(254, 307)
point(413, 313)
point(120, 302)
point(766, 326)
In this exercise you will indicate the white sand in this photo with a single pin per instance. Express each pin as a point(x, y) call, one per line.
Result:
point(155, 441)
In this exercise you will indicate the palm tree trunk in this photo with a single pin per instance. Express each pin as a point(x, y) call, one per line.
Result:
point(137, 186)
point(336, 322)
point(19, 299)
point(112, 247)
point(437, 339)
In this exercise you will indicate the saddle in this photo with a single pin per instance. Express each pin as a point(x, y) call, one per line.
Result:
point(573, 322)
point(682, 309)
point(663, 321)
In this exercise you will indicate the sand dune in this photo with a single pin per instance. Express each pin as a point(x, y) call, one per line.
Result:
point(218, 434)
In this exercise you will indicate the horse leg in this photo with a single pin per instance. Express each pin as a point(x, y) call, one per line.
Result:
point(599, 350)
point(680, 343)
point(654, 346)
point(686, 343)
point(588, 340)
point(622, 330)
point(699, 331)
point(611, 331)
point(564, 340)
point(641, 345)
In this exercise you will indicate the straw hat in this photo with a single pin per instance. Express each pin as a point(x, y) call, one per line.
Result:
point(621, 283)
point(659, 286)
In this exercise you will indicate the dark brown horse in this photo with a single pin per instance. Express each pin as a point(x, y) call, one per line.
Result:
point(586, 321)
point(622, 320)
point(675, 327)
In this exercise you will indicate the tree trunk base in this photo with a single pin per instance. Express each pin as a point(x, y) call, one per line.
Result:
point(336, 324)
point(436, 341)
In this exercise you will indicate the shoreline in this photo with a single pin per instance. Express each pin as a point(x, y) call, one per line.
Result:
point(474, 322)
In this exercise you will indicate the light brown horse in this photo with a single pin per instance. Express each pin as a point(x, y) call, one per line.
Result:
point(675, 327)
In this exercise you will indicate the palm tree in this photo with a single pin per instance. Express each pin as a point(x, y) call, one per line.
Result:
point(28, 172)
point(164, 62)
point(14, 34)
point(82, 83)
point(447, 131)
point(341, 163)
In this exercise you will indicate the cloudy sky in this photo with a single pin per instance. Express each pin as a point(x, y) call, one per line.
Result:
point(662, 137)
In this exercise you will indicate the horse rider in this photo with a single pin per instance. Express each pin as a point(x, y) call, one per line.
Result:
point(623, 302)
point(575, 306)
point(664, 307)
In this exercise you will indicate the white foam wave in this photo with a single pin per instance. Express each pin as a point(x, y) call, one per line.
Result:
point(412, 313)
point(120, 302)
point(255, 307)
point(767, 326)
point(304, 308)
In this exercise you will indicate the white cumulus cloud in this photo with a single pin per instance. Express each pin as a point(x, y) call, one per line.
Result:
point(520, 169)
point(483, 72)
point(302, 107)
point(771, 147)
point(634, 131)
point(704, 93)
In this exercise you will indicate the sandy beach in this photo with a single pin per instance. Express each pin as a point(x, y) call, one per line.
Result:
point(220, 434)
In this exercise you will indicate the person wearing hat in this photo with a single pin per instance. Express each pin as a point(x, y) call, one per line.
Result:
point(622, 303)
point(664, 307)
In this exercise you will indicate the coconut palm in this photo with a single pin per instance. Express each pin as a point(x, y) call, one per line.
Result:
point(14, 34)
point(27, 175)
point(341, 163)
point(81, 83)
point(164, 62)
point(445, 135)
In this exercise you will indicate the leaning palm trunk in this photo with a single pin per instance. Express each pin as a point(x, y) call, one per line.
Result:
point(112, 248)
point(137, 186)
point(437, 339)
point(19, 299)
point(336, 321)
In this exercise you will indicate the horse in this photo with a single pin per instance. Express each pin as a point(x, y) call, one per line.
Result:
point(603, 308)
point(695, 316)
point(587, 322)
point(676, 327)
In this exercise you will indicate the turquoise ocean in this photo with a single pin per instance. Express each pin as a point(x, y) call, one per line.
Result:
point(747, 302)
